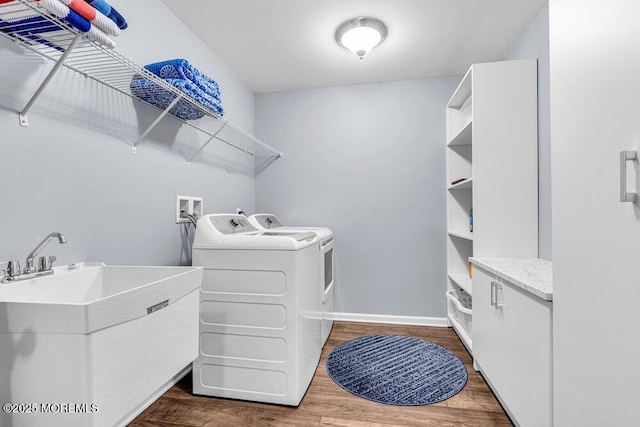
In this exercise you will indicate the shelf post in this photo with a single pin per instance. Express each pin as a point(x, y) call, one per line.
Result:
point(155, 122)
point(23, 114)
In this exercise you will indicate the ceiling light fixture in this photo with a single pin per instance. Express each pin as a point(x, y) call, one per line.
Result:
point(360, 35)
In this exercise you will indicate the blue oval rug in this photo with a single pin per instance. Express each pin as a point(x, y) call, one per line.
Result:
point(397, 370)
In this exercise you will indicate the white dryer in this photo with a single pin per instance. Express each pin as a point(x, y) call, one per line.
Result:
point(259, 312)
point(270, 222)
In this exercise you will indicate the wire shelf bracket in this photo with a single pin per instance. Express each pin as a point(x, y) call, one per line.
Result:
point(155, 123)
point(24, 121)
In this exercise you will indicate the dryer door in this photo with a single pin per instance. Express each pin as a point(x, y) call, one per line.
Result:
point(327, 251)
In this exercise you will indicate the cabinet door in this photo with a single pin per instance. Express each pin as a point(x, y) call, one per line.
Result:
point(487, 326)
point(595, 114)
point(526, 355)
point(512, 347)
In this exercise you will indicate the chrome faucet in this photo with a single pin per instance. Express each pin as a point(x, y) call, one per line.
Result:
point(11, 269)
point(45, 263)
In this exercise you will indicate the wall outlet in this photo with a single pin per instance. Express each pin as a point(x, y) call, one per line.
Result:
point(191, 205)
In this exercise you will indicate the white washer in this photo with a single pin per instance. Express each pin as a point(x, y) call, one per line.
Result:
point(270, 222)
point(259, 312)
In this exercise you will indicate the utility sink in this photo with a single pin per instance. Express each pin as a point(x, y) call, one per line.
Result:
point(83, 298)
point(92, 345)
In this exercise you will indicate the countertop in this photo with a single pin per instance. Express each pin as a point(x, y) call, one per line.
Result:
point(530, 274)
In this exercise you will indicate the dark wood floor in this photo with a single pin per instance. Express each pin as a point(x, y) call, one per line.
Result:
point(327, 404)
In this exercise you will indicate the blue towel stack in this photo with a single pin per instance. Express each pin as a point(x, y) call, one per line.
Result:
point(188, 79)
point(27, 24)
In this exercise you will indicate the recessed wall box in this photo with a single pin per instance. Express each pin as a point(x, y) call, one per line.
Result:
point(188, 204)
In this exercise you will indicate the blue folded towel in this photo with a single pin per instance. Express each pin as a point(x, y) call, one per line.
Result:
point(118, 19)
point(109, 11)
point(182, 69)
point(101, 6)
point(209, 101)
point(150, 92)
point(33, 25)
point(77, 21)
point(29, 27)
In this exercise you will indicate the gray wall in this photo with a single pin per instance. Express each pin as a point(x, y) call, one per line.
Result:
point(72, 171)
point(367, 161)
point(534, 43)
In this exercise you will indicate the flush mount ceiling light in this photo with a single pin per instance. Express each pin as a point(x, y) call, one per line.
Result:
point(360, 35)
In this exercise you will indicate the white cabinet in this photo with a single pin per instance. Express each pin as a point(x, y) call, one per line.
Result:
point(595, 108)
point(492, 175)
point(513, 345)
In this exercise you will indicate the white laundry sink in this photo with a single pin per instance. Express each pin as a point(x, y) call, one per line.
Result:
point(82, 298)
point(93, 345)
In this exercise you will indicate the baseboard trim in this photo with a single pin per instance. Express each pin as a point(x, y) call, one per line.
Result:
point(391, 319)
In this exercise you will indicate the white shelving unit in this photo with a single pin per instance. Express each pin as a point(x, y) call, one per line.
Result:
point(492, 144)
point(71, 49)
point(459, 204)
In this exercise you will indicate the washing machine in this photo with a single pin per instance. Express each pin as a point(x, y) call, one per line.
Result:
point(270, 222)
point(260, 321)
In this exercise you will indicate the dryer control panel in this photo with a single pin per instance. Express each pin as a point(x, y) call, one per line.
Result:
point(231, 224)
point(268, 221)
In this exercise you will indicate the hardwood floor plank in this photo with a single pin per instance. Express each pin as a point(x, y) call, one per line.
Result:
point(328, 404)
point(340, 422)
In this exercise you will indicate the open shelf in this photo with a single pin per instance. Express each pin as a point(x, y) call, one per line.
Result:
point(466, 235)
point(462, 280)
point(463, 137)
point(462, 93)
point(70, 48)
point(462, 185)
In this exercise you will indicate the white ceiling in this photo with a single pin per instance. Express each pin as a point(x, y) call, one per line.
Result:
point(277, 45)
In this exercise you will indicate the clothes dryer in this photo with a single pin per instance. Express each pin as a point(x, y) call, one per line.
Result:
point(270, 222)
point(259, 312)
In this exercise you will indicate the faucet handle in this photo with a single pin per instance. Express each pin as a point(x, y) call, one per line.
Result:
point(45, 262)
point(12, 268)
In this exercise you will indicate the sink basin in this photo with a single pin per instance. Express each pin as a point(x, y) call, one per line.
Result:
point(82, 298)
